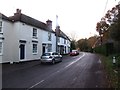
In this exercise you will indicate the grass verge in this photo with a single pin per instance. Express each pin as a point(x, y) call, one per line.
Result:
point(112, 70)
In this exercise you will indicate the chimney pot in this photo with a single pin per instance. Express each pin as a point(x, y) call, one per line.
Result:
point(49, 24)
point(18, 11)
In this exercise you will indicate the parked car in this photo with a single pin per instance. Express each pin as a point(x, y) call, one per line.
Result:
point(74, 53)
point(51, 57)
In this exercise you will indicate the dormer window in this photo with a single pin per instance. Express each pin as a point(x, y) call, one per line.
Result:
point(35, 33)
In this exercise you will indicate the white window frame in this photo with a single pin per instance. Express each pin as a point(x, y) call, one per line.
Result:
point(34, 51)
point(1, 48)
point(58, 39)
point(64, 41)
point(1, 24)
point(34, 34)
point(49, 47)
point(49, 36)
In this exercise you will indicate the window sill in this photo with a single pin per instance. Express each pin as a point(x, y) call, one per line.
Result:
point(1, 33)
point(1, 54)
point(35, 53)
point(35, 37)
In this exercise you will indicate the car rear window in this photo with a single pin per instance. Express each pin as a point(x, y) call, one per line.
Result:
point(46, 54)
point(74, 50)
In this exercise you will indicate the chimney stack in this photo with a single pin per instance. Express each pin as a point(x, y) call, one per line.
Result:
point(49, 24)
point(18, 11)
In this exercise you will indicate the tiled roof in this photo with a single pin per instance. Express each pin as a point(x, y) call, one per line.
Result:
point(63, 35)
point(2, 16)
point(29, 20)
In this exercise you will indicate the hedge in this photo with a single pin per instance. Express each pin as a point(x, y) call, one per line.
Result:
point(105, 49)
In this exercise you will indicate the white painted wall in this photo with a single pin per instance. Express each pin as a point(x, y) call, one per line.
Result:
point(13, 32)
point(1, 55)
point(67, 44)
point(45, 39)
point(53, 42)
point(26, 33)
point(61, 41)
point(7, 42)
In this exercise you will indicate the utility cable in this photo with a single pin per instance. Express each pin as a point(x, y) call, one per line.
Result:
point(105, 7)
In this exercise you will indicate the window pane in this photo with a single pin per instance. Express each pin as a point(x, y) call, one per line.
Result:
point(49, 47)
point(34, 32)
point(34, 48)
point(0, 29)
point(0, 26)
point(49, 36)
point(56, 53)
point(46, 54)
point(0, 23)
point(58, 39)
point(0, 47)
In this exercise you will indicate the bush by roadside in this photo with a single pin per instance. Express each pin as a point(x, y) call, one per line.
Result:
point(112, 70)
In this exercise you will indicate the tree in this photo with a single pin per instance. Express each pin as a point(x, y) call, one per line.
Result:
point(102, 26)
point(73, 44)
point(110, 22)
point(109, 27)
point(82, 44)
point(115, 32)
point(113, 17)
point(92, 40)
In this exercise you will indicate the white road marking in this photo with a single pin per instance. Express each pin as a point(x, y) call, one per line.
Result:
point(74, 61)
point(56, 72)
point(36, 84)
point(69, 64)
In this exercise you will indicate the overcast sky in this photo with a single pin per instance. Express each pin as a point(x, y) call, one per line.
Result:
point(75, 17)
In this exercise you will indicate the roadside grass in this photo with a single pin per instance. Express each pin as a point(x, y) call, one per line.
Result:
point(112, 70)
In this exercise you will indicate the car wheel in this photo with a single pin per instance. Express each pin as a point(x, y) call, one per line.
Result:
point(53, 61)
point(41, 62)
point(60, 59)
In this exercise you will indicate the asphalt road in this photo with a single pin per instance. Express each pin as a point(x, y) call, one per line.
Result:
point(82, 71)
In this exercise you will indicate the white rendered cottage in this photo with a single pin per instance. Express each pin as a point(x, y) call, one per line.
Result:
point(23, 38)
point(48, 39)
point(63, 42)
point(5, 39)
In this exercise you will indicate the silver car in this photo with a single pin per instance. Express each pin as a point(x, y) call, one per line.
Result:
point(51, 57)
